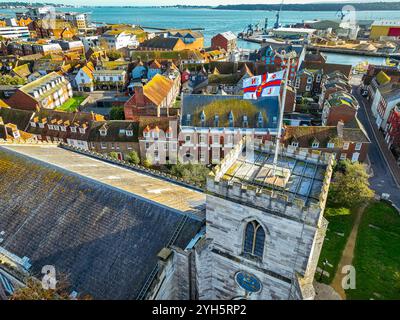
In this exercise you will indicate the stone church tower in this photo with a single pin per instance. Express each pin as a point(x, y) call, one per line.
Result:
point(264, 232)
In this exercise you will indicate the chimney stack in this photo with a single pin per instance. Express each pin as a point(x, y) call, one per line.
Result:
point(340, 126)
point(139, 95)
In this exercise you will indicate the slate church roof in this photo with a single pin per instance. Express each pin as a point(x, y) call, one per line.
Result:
point(99, 224)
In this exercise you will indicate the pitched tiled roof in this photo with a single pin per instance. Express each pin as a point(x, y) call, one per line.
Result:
point(157, 88)
point(160, 43)
point(101, 225)
point(116, 131)
point(22, 71)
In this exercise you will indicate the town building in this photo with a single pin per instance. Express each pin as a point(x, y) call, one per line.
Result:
point(57, 29)
point(211, 125)
point(192, 40)
point(104, 78)
point(79, 20)
point(339, 106)
point(155, 98)
point(84, 79)
point(120, 137)
point(225, 40)
point(386, 98)
point(348, 141)
point(14, 32)
point(383, 29)
point(48, 92)
point(118, 39)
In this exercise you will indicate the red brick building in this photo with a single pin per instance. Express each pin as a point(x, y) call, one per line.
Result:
point(393, 130)
point(226, 40)
point(340, 106)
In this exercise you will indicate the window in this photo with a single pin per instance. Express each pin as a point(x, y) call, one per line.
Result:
point(82, 130)
point(343, 156)
point(294, 144)
point(315, 144)
point(346, 146)
point(216, 139)
point(103, 145)
point(308, 88)
point(358, 146)
point(202, 138)
point(331, 145)
point(73, 129)
point(309, 80)
point(187, 139)
point(129, 133)
point(33, 124)
point(254, 239)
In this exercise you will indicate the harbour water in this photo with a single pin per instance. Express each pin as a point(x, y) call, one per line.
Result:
point(215, 21)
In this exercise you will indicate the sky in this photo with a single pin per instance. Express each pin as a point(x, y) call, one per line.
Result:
point(186, 2)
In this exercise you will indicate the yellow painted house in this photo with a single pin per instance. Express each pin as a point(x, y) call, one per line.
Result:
point(385, 28)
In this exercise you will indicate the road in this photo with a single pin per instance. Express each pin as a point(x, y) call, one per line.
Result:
point(382, 180)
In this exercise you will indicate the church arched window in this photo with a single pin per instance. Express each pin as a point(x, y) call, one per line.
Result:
point(254, 238)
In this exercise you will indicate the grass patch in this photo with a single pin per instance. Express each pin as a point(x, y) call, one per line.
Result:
point(71, 104)
point(340, 224)
point(377, 254)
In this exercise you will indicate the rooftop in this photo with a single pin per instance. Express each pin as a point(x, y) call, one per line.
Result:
point(100, 224)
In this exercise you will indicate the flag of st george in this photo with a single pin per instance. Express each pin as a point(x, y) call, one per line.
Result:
point(266, 85)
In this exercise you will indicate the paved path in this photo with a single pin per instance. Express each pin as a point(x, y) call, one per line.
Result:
point(385, 170)
point(348, 253)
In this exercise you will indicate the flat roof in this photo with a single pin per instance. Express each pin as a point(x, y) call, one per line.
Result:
point(296, 178)
point(156, 190)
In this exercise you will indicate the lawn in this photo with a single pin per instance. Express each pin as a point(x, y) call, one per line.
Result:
point(377, 254)
point(71, 104)
point(339, 228)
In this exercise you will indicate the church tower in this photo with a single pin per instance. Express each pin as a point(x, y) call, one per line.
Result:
point(264, 231)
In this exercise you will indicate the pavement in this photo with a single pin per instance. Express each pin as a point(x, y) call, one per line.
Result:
point(383, 179)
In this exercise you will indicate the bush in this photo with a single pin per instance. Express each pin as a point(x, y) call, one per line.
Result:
point(133, 157)
point(147, 163)
point(113, 155)
point(194, 173)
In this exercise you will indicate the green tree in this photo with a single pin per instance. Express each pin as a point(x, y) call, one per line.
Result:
point(9, 80)
point(114, 55)
point(194, 173)
point(349, 186)
point(133, 157)
point(117, 113)
point(113, 155)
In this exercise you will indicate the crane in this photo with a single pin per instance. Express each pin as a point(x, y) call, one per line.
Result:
point(277, 24)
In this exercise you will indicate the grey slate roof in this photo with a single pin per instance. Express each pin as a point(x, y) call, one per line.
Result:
point(103, 238)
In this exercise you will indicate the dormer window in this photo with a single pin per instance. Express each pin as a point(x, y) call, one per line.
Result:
point(203, 118)
point(41, 125)
point(129, 133)
point(260, 120)
point(245, 122)
point(231, 119)
point(216, 120)
point(331, 145)
point(103, 132)
point(294, 144)
point(33, 124)
point(315, 144)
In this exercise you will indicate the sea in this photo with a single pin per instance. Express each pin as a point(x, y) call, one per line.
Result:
point(215, 21)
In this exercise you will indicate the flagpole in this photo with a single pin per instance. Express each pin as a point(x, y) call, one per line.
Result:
point(282, 109)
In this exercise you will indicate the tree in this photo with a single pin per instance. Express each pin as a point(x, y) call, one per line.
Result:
point(114, 55)
point(9, 80)
point(194, 173)
point(133, 157)
point(117, 113)
point(349, 186)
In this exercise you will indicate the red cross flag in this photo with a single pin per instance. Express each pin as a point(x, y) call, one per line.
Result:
point(266, 85)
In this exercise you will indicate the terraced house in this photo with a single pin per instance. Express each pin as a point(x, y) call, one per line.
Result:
point(47, 92)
